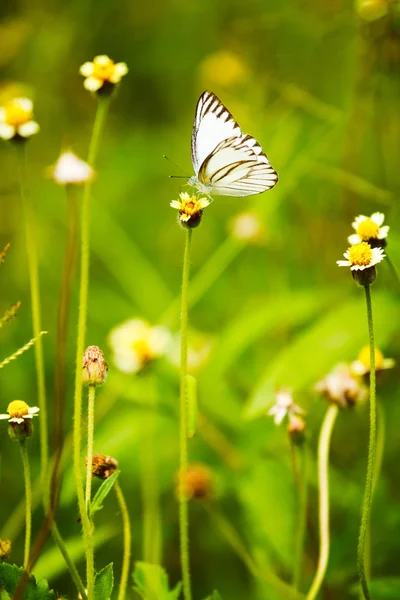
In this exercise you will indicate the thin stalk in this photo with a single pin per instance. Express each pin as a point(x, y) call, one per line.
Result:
point(30, 237)
point(28, 503)
point(80, 345)
point(90, 438)
point(367, 501)
point(302, 519)
point(183, 503)
point(71, 567)
point(127, 541)
point(323, 484)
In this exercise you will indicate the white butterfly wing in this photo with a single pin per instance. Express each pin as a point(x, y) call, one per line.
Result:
point(226, 161)
point(213, 123)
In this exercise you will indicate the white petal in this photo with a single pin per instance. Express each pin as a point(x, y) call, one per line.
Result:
point(92, 84)
point(87, 69)
point(120, 69)
point(378, 218)
point(185, 196)
point(25, 104)
point(102, 59)
point(279, 416)
point(71, 169)
point(7, 131)
point(358, 220)
point(354, 239)
point(175, 204)
point(127, 363)
point(184, 218)
point(33, 410)
point(383, 232)
point(343, 263)
point(358, 368)
point(28, 129)
point(2, 417)
point(16, 420)
point(204, 202)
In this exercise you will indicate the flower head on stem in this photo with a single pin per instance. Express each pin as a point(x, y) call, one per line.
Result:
point(370, 229)
point(362, 366)
point(19, 416)
point(190, 209)
point(284, 406)
point(102, 74)
point(362, 258)
point(103, 466)
point(71, 170)
point(342, 386)
point(94, 366)
point(16, 120)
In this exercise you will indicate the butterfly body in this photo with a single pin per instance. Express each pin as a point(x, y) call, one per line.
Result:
point(226, 161)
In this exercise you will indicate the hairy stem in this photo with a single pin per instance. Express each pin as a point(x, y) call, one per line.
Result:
point(28, 503)
point(127, 541)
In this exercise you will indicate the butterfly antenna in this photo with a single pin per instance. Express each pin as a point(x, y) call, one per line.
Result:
point(177, 167)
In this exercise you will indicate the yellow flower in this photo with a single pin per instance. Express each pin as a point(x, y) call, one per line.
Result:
point(135, 343)
point(190, 209)
point(18, 411)
point(16, 119)
point(369, 229)
point(342, 386)
point(361, 256)
point(102, 71)
point(69, 170)
point(362, 365)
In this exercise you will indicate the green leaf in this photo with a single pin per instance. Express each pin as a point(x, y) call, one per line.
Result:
point(191, 389)
point(151, 583)
point(104, 583)
point(102, 493)
point(10, 576)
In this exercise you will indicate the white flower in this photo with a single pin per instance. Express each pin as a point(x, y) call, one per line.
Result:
point(368, 228)
point(342, 386)
point(135, 343)
point(102, 70)
point(247, 227)
point(361, 256)
point(69, 169)
point(18, 411)
point(284, 405)
point(362, 365)
point(16, 119)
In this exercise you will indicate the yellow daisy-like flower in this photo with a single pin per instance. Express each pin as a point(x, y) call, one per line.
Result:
point(136, 343)
point(362, 365)
point(102, 71)
point(190, 209)
point(16, 119)
point(18, 411)
point(71, 170)
point(361, 256)
point(369, 229)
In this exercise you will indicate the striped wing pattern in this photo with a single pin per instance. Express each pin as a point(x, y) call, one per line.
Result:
point(225, 160)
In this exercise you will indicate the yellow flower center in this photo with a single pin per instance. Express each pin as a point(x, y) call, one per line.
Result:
point(364, 357)
point(360, 254)
point(368, 229)
point(17, 409)
point(190, 207)
point(16, 115)
point(142, 349)
point(103, 70)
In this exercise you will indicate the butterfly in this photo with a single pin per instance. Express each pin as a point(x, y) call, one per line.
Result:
point(226, 161)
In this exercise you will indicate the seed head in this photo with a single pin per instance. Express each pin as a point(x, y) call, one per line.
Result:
point(94, 366)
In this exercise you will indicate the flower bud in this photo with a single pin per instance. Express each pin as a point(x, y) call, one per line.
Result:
point(296, 428)
point(18, 432)
point(365, 277)
point(103, 466)
point(195, 482)
point(94, 366)
point(5, 549)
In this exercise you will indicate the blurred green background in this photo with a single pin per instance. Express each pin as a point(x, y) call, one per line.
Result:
point(317, 84)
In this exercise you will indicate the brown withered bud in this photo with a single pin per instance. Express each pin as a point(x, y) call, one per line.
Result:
point(103, 466)
point(5, 549)
point(296, 428)
point(94, 366)
point(196, 482)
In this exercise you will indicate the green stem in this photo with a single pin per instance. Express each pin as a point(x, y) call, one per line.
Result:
point(28, 503)
point(80, 345)
point(89, 456)
point(30, 235)
point(71, 567)
point(127, 541)
point(302, 519)
point(183, 503)
point(367, 501)
point(323, 483)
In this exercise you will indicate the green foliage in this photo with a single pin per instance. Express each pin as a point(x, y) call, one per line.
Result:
point(151, 583)
point(214, 596)
point(104, 583)
point(10, 576)
point(191, 384)
point(102, 493)
point(382, 588)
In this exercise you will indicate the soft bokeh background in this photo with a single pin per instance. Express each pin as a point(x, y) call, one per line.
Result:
point(317, 84)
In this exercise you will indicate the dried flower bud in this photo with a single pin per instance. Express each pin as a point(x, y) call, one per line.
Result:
point(195, 482)
point(94, 366)
point(103, 466)
point(5, 549)
point(296, 428)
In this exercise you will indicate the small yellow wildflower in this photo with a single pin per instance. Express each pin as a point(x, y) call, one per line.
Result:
point(190, 209)
point(361, 256)
point(18, 411)
point(16, 119)
point(362, 365)
point(369, 229)
point(102, 72)
point(70, 170)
